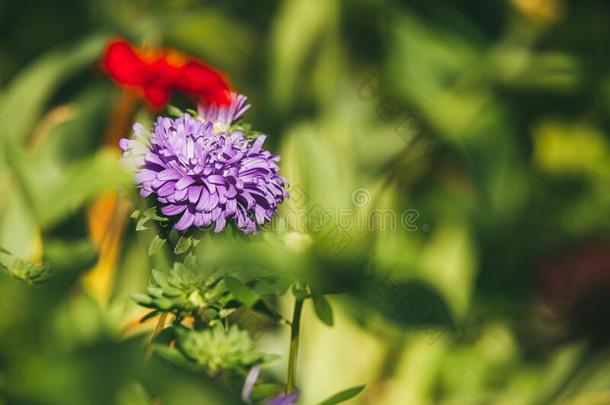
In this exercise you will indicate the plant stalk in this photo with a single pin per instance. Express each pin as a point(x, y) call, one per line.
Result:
point(158, 328)
point(294, 345)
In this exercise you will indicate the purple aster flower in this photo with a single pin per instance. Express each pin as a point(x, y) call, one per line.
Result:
point(204, 177)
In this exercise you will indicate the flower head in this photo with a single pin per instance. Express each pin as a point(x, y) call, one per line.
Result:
point(156, 73)
point(204, 177)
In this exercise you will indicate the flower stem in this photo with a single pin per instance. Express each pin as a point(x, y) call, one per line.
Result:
point(294, 345)
point(158, 328)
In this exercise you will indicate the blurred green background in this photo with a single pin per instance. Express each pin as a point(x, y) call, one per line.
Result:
point(450, 171)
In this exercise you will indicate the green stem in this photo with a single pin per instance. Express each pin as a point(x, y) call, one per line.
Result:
point(158, 328)
point(294, 345)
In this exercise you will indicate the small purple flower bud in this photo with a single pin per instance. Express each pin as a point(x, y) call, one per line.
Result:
point(285, 399)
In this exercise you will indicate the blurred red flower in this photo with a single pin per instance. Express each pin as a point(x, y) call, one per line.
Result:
point(156, 73)
point(575, 291)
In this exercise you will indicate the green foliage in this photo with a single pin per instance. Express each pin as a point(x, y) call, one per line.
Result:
point(27, 272)
point(245, 127)
point(174, 111)
point(155, 245)
point(409, 304)
point(217, 349)
point(273, 285)
point(241, 291)
point(144, 217)
point(185, 292)
point(490, 120)
point(343, 395)
point(323, 309)
point(133, 394)
point(265, 391)
point(24, 101)
point(184, 244)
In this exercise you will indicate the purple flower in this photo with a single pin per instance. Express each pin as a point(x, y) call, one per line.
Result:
point(246, 391)
point(204, 177)
point(223, 115)
point(285, 399)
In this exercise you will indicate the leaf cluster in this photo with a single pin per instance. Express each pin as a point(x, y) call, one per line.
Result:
point(184, 292)
point(214, 350)
point(32, 274)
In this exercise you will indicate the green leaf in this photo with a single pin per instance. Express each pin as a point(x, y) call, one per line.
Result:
point(155, 245)
point(82, 182)
point(272, 286)
point(151, 213)
point(141, 299)
point(133, 394)
point(25, 98)
point(141, 225)
point(262, 391)
point(149, 315)
point(410, 304)
point(172, 292)
point(74, 256)
point(159, 278)
point(242, 292)
point(223, 313)
point(183, 245)
point(155, 292)
point(135, 214)
point(29, 273)
point(305, 20)
point(174, 356)
point(343, 395)
point(196, 299)
point(323, 308)
point(163, 304)
point(3, 250)
point(174, 111)
point(264, 309)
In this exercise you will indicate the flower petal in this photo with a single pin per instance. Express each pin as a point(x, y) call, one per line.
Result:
point(185, 221)
point(184, 182)
point(194, 194)
point(216, 179)
point(220, 224)
point(172, 209)
point(169, 174)
point(167, 189)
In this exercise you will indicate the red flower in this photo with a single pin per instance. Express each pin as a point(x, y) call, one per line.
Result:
point(155, 73)
point(575, 292)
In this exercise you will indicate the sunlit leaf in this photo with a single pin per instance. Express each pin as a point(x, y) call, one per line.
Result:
point(174, 111)
point(156, 244)
point(343, 395)
point(183, 245)
point(241, 291)
point(323, 309)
